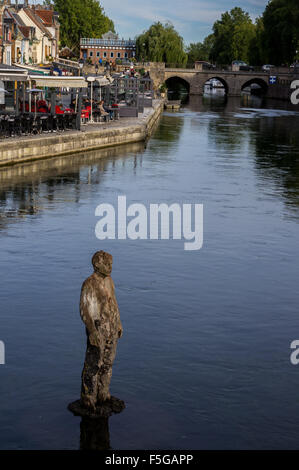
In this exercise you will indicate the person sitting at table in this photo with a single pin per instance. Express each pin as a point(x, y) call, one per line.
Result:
point(85, 111)
point(73, 104)
point(42, 106)
point(58, 109)
point(104, 110)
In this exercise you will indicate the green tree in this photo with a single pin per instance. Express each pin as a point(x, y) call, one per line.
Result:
point(257, 52)
point(281, 31)
point(161, 43)
point(81, 19)
point(233, 35)
point(200, 50)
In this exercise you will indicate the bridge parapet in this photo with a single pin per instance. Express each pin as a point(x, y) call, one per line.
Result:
point(234, 82)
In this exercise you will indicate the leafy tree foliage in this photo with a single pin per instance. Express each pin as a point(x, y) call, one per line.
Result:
point(281, 31)
point(233, 35)
point(257, 52)
point(161, 43)
point(200, 50)
point(81, 19)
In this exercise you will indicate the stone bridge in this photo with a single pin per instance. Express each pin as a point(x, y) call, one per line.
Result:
point(233, 82)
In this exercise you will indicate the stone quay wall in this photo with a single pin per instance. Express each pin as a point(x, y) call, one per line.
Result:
point(96, 136)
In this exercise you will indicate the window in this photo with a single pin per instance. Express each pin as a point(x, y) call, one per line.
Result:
point(111, 55)
point(90, 54)
point(119, 55)
point(98, 54)
point(105, 54)
point(126, 55)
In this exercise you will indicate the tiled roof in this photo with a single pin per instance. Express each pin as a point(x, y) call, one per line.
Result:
point(25, 30)
point(18, 19)
point(46, 16)
point(37, 21)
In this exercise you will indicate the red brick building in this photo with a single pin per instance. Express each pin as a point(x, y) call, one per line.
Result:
point(108, 48)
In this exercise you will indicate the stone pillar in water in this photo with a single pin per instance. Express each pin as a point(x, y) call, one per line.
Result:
point(100, 314)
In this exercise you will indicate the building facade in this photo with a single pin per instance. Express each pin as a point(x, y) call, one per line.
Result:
point(29, 34)
point(107, 49)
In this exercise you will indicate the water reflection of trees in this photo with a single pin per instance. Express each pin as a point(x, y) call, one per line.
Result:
point(225, 131)
point(277, 154)
point(167, 135)
point(272, 138)
point(27, 189)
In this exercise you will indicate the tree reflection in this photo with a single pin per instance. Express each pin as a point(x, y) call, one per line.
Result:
point(268, 130)
point(277, 155)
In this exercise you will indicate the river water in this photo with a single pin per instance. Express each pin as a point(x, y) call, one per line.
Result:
point(204, 362)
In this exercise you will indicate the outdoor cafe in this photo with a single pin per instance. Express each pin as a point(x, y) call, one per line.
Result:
point(33, 104)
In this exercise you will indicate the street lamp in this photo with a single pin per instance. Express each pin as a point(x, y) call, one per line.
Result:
point(81, 63)
point(91, 80)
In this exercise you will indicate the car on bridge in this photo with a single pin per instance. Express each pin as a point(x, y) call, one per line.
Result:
point(295, 67)
point(267, 67)
point(205, 65)
point(242, 66)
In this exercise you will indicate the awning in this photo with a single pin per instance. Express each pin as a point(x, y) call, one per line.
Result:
point(13, 77)
point(59, 82)
point(103, 81)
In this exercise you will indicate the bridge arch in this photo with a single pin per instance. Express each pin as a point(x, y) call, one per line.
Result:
point(220, 79)
point(175, 80)
point(178, 87)
point(255, 81)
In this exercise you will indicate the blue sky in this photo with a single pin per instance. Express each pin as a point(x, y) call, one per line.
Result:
point(192, 18)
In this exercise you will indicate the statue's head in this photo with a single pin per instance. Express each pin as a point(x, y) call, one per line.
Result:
point(102, 263)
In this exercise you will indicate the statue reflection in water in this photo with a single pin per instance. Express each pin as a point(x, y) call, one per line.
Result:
point(94, 434)
point(100, 314)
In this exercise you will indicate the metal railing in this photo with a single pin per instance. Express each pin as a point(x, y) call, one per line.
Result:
point(107, 42)
point(68, 63)
point(229, 69)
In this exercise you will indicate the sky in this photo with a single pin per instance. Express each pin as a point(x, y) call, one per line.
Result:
point(193, 19)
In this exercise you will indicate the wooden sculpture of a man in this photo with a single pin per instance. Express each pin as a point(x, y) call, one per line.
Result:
point(100, 314)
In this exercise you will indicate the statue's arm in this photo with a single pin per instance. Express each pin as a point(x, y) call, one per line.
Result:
point(119, 324)
point(89, 313)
